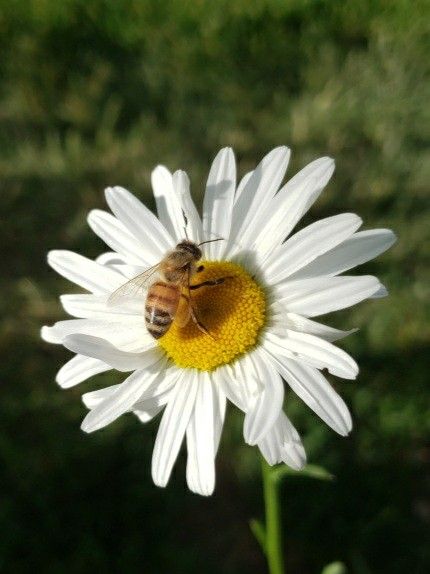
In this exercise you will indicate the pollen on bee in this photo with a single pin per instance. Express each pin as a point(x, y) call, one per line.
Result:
point(233, 312)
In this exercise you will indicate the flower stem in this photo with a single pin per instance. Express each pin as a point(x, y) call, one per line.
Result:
point(273, 538)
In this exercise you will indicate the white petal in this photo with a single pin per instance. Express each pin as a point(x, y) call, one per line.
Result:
point(202, 438)
point(79, 369)
point(149, 403)
point(129, 271)
point(109, 258)
point(260, 188)
point(154, 400)
point(242, 184)
point(310, 242)
point(48, 335)
point(116, 263)
point(128, 335)
point(270, 447)
point(146, 414)
point(172, 427)
point(144, 410)
point(120, 401)
point(159, 392)
point(380, 293)
point(172, 191)
point(358, 249)
point(314, 389)
point(220, 404)
point(168, 207)
point(181, 184)
point(95, 398)
point(118, 238)
point(231, 387)
point(314, 351)
point(283, 444)
point(104, 351)
point(293, 451)
point(86, 273)
point(264, 413)
point(313, 297)
point(92, 306)
point(174, 201)
point(218, 202)
point(239, 382)
point(147, 409)
point(285, 321)
point(288, 206)
point(139, 221)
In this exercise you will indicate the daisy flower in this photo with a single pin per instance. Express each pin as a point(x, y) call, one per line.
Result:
point(260, 322)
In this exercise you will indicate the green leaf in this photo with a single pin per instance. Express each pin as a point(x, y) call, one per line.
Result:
point(259, 532)
point(310, 471)
point(334, 568)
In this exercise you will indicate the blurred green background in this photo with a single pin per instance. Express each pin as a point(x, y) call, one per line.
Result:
point(96, 93)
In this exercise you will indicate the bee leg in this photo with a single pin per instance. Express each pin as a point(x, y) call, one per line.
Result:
point(210, 283)
point(193, 316)
point(183, 315)
point(199, 324)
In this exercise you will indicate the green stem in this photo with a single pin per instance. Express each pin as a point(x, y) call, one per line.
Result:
point(275, 558)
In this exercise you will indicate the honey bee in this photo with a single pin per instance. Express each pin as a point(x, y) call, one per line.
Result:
point(163, 296)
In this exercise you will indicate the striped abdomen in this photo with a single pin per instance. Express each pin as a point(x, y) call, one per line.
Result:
point(161, 305)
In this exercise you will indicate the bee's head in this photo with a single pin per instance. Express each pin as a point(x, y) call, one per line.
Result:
point(190, 247)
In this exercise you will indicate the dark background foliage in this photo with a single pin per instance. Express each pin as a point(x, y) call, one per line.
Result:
point(96, 93)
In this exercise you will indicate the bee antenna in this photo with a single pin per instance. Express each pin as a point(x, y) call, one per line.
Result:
point(186, 223)
point(211, 240)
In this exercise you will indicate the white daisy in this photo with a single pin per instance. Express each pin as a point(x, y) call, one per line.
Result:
point(260, 321)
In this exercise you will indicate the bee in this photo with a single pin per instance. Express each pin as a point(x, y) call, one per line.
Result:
point(163, 296)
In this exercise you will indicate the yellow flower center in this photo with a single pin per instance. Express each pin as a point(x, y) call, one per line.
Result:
point(233, 312)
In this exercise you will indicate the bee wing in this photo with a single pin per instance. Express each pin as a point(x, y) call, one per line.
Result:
point(132, 287)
